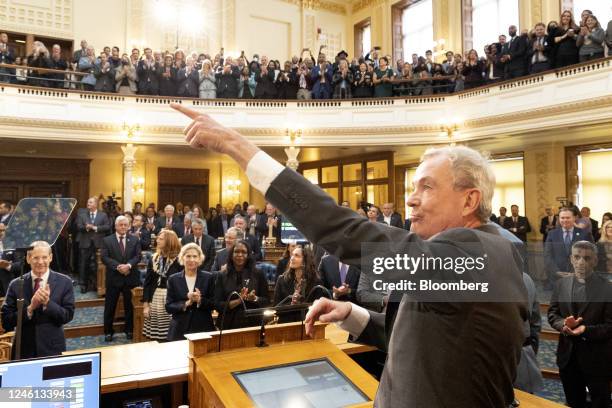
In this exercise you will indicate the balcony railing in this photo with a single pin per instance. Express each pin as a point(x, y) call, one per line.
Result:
point(580, 94)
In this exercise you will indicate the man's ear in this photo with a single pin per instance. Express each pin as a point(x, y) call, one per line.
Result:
point(473, 197)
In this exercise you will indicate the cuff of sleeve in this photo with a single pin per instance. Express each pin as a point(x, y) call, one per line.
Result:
point(356, 321)
point(262, 170)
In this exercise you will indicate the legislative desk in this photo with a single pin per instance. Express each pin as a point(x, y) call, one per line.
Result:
point(150, 364)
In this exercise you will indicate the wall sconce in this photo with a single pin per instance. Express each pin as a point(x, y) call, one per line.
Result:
point(130, 131)
point(138, 184)
point(450, 130)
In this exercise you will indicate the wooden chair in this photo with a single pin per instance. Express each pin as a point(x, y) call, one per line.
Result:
point(6, 345)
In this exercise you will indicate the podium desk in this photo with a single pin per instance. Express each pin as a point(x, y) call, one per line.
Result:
point(219, 388)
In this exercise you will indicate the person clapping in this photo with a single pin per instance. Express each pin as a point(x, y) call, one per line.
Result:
point(190, 295)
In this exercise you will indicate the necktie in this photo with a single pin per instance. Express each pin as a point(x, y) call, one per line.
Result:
point(37, 284)
point(168, 222)
point(121, 245)
point(198, 241)
point(343, 271)
point(567, 240)
point(92, 216)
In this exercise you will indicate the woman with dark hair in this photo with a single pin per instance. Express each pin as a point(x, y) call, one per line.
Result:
point(296, 282)
point(246, 84)
point(383, 75)
point(473, 70)
point(266, 82)
point(282, 264)
point(240, 276)
point(373, 213)
point(565, 37)
point(362, 82)
point(210, 223)
point(167, 79)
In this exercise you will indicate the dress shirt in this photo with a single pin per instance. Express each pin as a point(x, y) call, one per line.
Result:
point(261, 171)
point(387, 220)
point(43, 283)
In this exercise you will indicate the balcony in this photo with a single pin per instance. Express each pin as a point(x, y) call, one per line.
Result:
point(577, 96)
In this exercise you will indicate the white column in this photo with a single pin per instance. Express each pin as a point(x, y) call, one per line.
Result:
point(129, 161)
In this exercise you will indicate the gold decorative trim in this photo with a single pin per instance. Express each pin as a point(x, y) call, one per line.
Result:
point(601, 102)
point(359, 5)
point(319, 5)
point(470, 124)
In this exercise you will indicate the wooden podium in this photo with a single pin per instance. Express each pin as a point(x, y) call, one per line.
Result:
point(211, 383)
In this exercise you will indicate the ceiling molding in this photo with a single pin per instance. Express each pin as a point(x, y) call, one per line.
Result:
point(319, 5)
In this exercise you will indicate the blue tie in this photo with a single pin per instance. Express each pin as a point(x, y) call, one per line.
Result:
point(343, 271)
point(567, 240)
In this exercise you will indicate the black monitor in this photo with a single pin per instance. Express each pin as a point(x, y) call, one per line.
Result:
point(309, 384)
point(71, 379)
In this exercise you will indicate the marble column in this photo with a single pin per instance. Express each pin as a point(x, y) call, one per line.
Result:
point(129, 161)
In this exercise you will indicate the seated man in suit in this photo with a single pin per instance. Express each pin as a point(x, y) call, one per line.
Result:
point(120, 254)
point(92, 226)
point(49, 305)
point(150, 219)
point(557, 248)
point(231, 236)
point(390, 217)
point(204, 241)
point(139, 231)
point(548, 223)
point(518, 225)
point(169, 220)
point(341, 279)
point(6, 212)
point(502, 216)
point(185, 227)
point(450, 207)
point(240, 223)
point(581, 310)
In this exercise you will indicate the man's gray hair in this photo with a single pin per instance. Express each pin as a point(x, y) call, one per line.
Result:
point(239, 217)
point(237, 231)
point(471, 169)
point(197, 221)
point(169, 206)
point(586, 245)
point(41, 244)
point(121, 218)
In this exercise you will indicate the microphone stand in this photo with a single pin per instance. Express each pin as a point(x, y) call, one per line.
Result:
point(20, 303)
point(329, 296)
point(225, 311)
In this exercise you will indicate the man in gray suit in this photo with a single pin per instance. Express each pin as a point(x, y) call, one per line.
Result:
point(478, 339)
point(92, 226)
